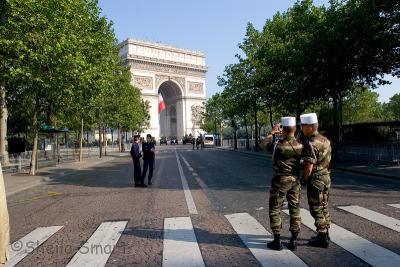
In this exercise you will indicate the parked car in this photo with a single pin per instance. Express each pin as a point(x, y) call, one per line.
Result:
point(163, 140)
point(187, 139)
point(209, 140)
point(174, 141)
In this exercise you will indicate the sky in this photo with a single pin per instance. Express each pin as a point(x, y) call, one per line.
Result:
point(215, 27)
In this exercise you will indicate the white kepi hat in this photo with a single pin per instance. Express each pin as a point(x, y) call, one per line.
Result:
point(309, 118)
point(288, 121)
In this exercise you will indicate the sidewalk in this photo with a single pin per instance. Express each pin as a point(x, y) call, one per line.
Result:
point(390, 171)
point(16, 182)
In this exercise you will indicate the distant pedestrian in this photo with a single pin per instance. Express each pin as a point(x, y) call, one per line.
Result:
point(148, 159)
point(136, 154)
point(317, 157)
point(285, 184)
point(4, 224)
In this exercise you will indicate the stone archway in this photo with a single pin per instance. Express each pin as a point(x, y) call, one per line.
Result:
point(168, 119)
point(178, 74)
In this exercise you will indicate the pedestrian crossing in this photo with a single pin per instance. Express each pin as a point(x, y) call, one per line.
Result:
point(22, 247)
point(373, 216)
point(180, 244)
point(97, 250)
point(181, 247)
point(395, 205)
point(255, 237)
point(367, 251)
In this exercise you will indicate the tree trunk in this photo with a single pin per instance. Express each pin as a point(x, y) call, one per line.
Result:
point(100, 143)
point(247, 133)
point(270, 114)
point(340, 128)
point(335, 145)
point(234, 135)
point(33, 164)
point(105, 141)
point(58, 149)
point(3, 127)
point(81, 142)
point(119, 140)
point(256, 148)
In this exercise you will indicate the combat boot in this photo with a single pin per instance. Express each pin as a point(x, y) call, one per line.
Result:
point(320, 241)
point(276, 243)
point(293, 242)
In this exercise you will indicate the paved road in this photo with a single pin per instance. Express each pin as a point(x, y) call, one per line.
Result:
point(206, 207)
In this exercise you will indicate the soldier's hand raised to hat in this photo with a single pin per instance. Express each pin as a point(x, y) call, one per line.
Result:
point(276, 128)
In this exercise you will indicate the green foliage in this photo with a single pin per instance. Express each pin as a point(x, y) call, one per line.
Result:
point(316, 59)
point(362, 105)
point(391, 110)
point(59, 63)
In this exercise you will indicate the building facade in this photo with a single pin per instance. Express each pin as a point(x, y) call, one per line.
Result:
point(178, 75)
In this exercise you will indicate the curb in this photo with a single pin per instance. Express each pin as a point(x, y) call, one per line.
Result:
point(49, 179)
point(247, 152)
point(367, 173)
point(333, 168)
point(25, 187)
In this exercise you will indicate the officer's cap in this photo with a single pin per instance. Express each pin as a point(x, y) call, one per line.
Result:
point(310, 118)
point(288, 121)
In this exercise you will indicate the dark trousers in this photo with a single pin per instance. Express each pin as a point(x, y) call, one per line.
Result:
point(137, 172)
point(148, 164)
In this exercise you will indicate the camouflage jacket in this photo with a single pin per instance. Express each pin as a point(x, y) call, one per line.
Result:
point(317, 151)
point(286, 157)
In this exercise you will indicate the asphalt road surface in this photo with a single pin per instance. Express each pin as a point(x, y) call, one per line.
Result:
point(205, 208)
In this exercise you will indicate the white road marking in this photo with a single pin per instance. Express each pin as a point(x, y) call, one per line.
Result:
point(98, 248)
point(366, 250)
point(395, 205)
point(188, 195)
point(255, 237)
point(201, 183)
point(374, 216)
point(180, 244)
point(185, 161)
point(21, 248)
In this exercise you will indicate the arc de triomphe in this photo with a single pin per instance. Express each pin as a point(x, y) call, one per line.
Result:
point(178, 75)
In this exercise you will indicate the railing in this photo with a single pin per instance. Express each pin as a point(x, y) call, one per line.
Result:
point(21, 162)
point(374, 152)
point(241, 143)
point(368, 153)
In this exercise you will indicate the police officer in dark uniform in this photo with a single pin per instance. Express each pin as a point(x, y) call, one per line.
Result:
point(148, 158)
point(136, 154)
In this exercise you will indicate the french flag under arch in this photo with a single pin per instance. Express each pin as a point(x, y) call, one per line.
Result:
point(161, 103)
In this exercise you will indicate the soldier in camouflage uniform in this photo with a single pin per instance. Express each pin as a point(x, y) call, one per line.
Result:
point(286, 165)
point(317, 156)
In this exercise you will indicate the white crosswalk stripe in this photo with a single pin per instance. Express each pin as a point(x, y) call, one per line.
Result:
point(367, 251)
point(374, 216)
point(395, 205)
point(180, 244)
point(255, 237)
point(98, 248)
point(21, 248)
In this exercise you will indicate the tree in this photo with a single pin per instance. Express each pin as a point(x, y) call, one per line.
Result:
point(362, 105)
point(59, 62)
point(392, 108)
point(213, 115)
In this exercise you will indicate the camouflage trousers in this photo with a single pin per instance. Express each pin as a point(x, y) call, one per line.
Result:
point(318, 197)
point(284, 187)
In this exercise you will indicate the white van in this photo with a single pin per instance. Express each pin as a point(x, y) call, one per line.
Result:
point(209, 140)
